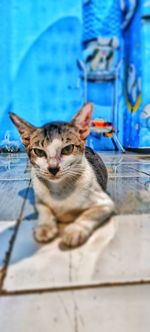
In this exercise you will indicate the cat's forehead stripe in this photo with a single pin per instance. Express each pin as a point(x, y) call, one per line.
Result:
point(55, 132)
point(53, 146)
point(55, 129)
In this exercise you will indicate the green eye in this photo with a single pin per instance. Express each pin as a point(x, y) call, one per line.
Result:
point(67, 149)
point(39, 153)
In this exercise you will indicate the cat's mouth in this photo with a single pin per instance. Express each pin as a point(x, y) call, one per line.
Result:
point(48, 176)
point(68, 172)
point(55, 177)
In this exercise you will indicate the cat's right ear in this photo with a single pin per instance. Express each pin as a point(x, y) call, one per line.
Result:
point(25, 128)
point(82, 120)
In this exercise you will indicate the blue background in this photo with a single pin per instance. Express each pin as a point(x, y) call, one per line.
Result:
point(41, 43)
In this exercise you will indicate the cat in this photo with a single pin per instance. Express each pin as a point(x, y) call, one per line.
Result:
point(69, 179)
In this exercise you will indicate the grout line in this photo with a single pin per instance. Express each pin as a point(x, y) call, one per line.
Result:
point(133, 176)
point(5, 293)
point(125, 163)
point(12, 241)
point(15, 179)
point(139, 170)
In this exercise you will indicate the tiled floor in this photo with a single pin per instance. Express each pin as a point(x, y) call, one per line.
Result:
point(103, 285)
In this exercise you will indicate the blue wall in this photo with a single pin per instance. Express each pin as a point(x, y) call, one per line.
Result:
point(41, 43)
point(137, 78)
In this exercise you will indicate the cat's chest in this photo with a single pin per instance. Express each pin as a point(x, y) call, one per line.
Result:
point(67, 207)
point(68, 204)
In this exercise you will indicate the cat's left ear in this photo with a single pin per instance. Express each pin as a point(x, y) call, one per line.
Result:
point(82, 120)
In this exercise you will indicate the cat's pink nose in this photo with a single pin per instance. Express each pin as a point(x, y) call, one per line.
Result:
point(53, 170)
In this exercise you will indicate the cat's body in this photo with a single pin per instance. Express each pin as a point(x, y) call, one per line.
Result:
point(69, 180)
point(98, 167)
point(67, 199)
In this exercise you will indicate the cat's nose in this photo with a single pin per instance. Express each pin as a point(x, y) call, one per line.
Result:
point(53, 170)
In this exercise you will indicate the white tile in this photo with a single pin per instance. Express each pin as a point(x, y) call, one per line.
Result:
point(12, 195)
point(48, 265)
point(6, 232)
point(129, 170)
point(13, 155)
point(141, 168)
point(114, 157)
point(13, 168)
point(30, 212)
point(128, 255)
point(116, 309)
point(106, 257)
point(130, 194)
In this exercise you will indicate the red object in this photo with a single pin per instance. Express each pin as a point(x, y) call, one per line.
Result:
point(100, 123)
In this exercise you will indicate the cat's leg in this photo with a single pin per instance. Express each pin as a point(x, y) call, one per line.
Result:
point(46, 229)
point(78, 232)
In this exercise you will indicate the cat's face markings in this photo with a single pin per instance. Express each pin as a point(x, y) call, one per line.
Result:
point(56, 147)
point(59, 153)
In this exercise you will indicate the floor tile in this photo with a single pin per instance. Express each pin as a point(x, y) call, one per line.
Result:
point(126, 165)
point(49, 265)
point(127, 170)
point(106, 309)
point(145, 168)
point(114, 157)
point(127, 257)
point(14, 168)
point(143, 157)
point(8, 158)
point(12, 194)
point(6, 232)
point(106, 257)
point(14, 155)
point(130, 194)
point(30, 212)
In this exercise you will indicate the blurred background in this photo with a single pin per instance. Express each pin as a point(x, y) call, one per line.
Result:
point(56, 55)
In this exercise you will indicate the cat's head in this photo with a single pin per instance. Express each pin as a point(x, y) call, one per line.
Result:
point(57, 148)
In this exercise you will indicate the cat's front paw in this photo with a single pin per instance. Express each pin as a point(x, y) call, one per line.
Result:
point(75, 235)
point(45, 233)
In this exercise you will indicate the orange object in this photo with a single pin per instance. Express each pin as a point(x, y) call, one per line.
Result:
point(110, 134)
point(100, 123)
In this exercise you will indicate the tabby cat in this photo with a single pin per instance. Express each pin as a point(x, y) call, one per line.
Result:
point(69, 179)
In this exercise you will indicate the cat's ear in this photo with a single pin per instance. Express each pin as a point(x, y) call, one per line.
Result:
point(82, 120)
point(25, 128)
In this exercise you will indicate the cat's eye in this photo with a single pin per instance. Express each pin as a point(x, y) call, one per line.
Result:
point(68, 149)
point(39, 153)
